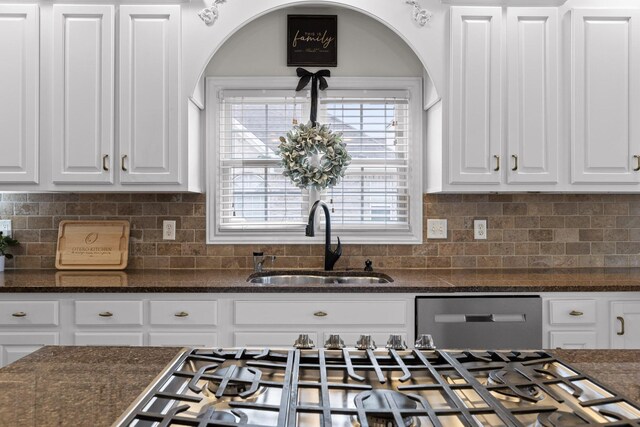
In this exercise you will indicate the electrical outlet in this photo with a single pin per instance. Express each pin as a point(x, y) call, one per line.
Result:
point(5, 227)
point(480, 229)
point(436, 229)
point(168, 230)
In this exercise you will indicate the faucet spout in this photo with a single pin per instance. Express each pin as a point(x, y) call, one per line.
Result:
point(330, 256)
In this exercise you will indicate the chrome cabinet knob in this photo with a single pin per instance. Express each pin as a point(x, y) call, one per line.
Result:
point(334, 342)
point(396, 342)
point(425, 342)
point(303, 342)
point(366, 342)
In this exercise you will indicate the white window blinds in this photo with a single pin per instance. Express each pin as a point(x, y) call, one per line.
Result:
point(374, 193)
point(252, 192)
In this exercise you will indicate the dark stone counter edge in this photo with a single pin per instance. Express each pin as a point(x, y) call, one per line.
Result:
point(274, 289)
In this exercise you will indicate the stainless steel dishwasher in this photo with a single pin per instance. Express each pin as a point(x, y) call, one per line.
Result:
point(481, 322)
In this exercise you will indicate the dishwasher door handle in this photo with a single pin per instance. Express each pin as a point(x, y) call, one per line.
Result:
point(480, 318)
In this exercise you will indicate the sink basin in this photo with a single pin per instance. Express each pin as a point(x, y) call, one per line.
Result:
point(318, 278)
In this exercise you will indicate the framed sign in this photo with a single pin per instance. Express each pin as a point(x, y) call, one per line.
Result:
point(312, 40)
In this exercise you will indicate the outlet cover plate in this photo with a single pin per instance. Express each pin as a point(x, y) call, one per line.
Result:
point(5, 227)
point(480, 229)
point(168, 230)
point(436, 229)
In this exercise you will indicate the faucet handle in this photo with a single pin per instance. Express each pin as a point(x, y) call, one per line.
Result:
point(338, 251)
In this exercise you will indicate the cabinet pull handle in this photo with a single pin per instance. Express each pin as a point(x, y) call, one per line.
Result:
point(621, 320)
point(637, 158)
point(105, 314)
point(320, 314)
point(122, 162)
point(515, 162)
point(105, 162)
point(575, 313)
point(497, 168)
point(182, 314)
point(19, 314)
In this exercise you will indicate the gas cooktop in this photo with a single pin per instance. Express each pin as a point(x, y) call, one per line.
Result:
point(343, 387)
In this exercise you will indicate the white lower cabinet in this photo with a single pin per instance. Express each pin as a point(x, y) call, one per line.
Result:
point(573, 339)
point(625, 324)
point(109, 338)
point(180, 339)
point(271, 339)
point(28, 322)
point(14, 345)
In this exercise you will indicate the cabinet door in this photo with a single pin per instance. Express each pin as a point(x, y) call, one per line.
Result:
point(271, 339)
point(474, 109)
point(15, 345)
point(625, 324)
point(83, 93)
point(573, 340)
point(605, 68)
point(149, 94)
point(19, 93)
point(532, 107)
point(109, 338)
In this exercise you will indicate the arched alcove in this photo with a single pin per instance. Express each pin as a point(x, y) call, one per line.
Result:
point(202, 42)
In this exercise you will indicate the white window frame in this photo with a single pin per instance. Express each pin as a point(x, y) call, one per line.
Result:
point(214, 86)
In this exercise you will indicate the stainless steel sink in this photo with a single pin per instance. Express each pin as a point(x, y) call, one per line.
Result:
point(317, 279)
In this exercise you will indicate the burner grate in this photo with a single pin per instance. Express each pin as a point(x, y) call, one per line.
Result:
point(375, 387)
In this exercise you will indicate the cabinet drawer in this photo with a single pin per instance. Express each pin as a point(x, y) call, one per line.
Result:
point(183, 339)
point(572, 312)
point(573, 339)
point(271, 339)
point(184, 312)
point(108, 338)
point(320, 312)
point(109, 313)
point(29, 313)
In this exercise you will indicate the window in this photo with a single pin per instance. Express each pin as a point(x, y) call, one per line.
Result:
point(380, 198)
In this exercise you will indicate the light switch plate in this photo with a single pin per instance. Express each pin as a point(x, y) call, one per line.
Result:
point(436, 229)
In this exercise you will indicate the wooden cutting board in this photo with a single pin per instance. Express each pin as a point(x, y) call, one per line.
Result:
point(92, 245)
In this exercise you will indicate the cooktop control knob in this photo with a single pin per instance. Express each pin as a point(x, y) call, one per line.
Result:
point(425, 342)
point(334, 342)
point(303, 342)
point(365, 342)
point(396, 342)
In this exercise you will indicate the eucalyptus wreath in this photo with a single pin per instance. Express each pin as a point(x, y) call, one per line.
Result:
point(314, 156)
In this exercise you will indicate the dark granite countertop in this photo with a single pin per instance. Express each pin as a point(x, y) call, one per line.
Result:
point(405, 281)
point(92, 386)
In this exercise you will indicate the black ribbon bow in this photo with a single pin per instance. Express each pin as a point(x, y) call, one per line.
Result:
point(305, 77)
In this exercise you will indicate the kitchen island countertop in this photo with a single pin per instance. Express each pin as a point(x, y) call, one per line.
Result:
point(405, 281)
point(94, 385)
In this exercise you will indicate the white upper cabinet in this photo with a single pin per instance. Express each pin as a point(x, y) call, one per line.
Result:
point(532, 95)
point(83, 93)
point(605, 119)
point(475, 88)
point(19, 93)
point(150, 147)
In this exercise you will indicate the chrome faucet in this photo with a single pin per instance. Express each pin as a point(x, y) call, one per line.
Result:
point(330, 256)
